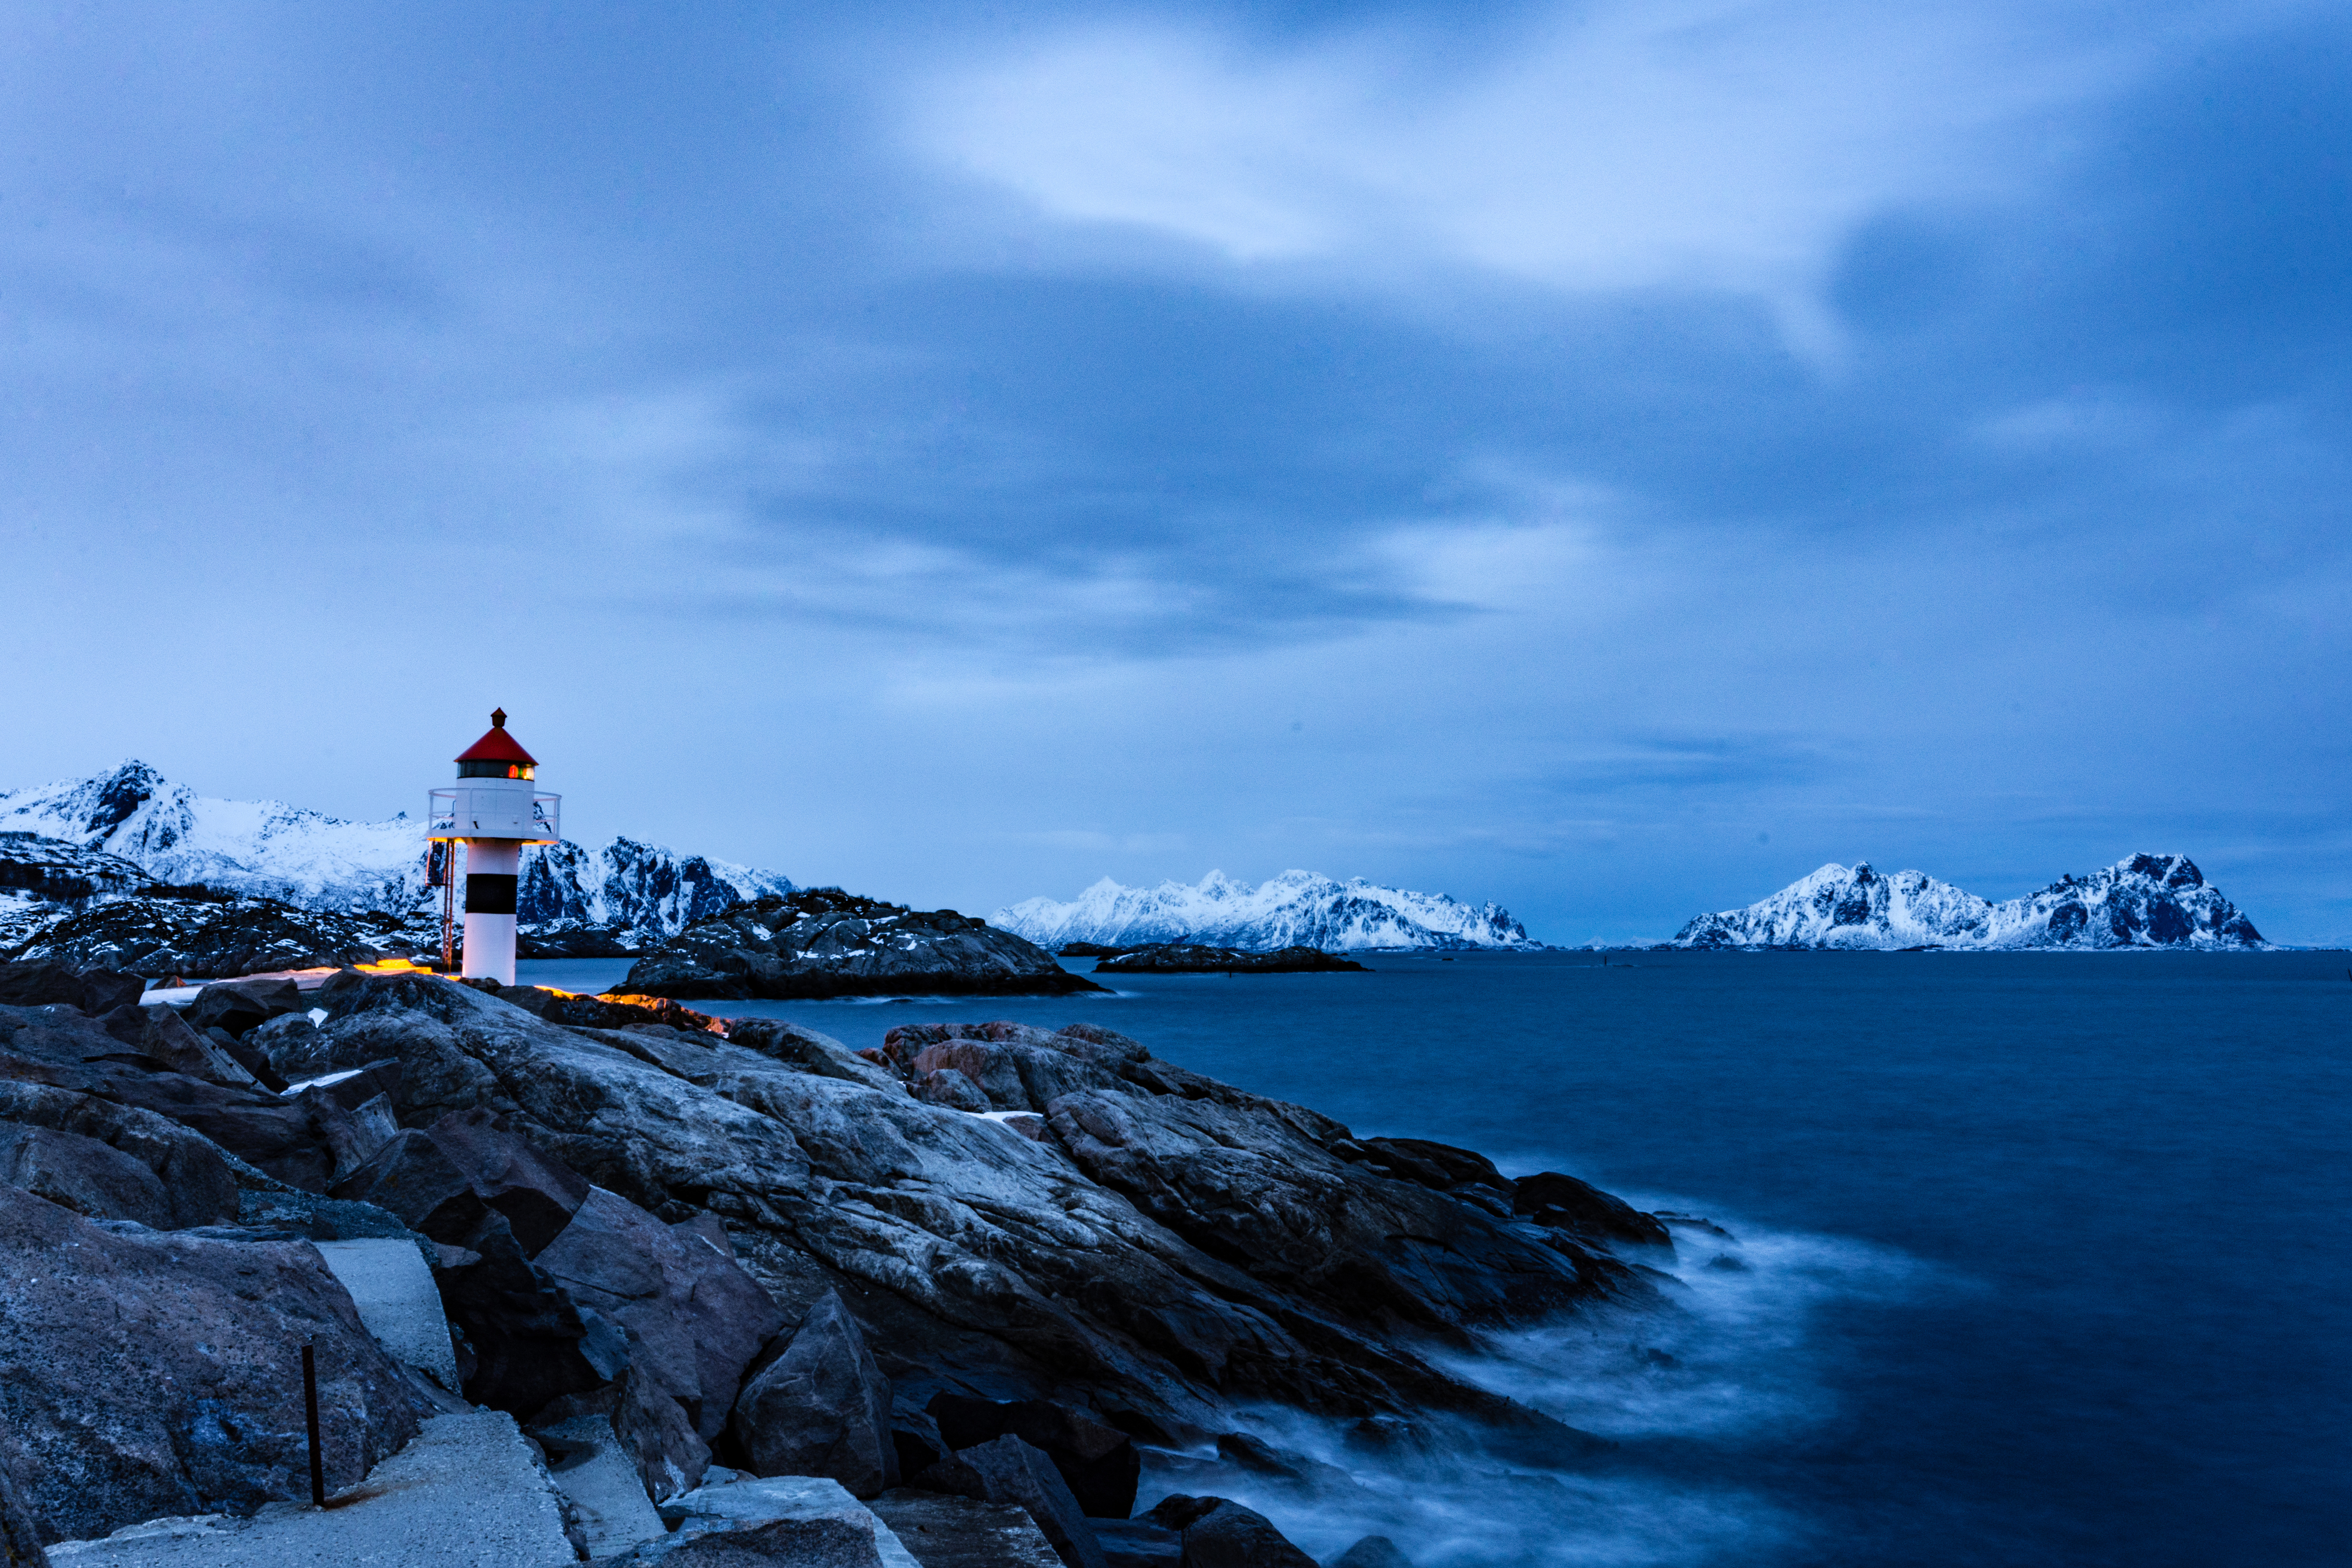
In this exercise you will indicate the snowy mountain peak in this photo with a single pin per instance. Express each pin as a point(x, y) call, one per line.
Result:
point(2144, 901)
point(1297, 908)
point(317, 861)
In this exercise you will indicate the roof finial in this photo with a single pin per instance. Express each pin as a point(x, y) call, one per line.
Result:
point(497, 718)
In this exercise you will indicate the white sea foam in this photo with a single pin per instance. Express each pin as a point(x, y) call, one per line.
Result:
point(1729, 1364)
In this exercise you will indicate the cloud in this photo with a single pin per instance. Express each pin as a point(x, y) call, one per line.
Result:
point(1691, 145)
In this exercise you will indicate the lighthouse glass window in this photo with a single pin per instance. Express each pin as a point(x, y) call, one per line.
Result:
point(496, 770)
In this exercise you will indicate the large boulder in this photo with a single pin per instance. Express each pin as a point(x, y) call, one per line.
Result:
point(82, 1175)
point(238, 1006)
point(821, 941)
point(1098, 1461)
point(64, 1050)
point(1222, 1534)
point(154, 1373)
point(943, 1531)
point(190, 1170)
point(821, 1407)
point(694, 1317)
point(1008, 1470)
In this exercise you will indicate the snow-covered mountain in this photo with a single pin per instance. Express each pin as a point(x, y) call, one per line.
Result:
point(1295, 908)
point(308, 858)
point(2147, 901)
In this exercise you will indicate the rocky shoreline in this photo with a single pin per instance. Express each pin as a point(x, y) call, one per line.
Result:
point(1006, 1265)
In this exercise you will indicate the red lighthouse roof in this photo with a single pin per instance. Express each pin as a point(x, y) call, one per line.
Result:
point(498, 746)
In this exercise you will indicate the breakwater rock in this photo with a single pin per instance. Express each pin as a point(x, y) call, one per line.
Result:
point(825, 943)
point(1192, 958)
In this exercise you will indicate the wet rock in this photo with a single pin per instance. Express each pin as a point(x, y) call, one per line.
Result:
point(1138, 1543)
point(822, 942)
point(1438, 1165)
point(1221, 1534)
point(157, 1373)
point(82, 1175)
point(1099, 1462)
point(821, 1407)
point(1372, 1551)
point(1550, 1199)
point(947, 1532)
point(1008, 1470)
point(190, 1170)
point(1193, 958)
point(43, 982)
point(694, 1317)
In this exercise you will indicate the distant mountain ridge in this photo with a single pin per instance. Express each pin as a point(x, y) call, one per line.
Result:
point(314, 860)
point(1297, 908)
point(2146, 901)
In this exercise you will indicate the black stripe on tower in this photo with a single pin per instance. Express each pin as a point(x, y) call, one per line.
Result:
point(490, 891)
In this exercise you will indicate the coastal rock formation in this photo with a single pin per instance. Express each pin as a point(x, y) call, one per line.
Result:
point(623, 1211)
point(1295, 909)
point(827, 942)
point(201, 936)
point(1190, 958)
point(630, 893)
point(2146, 901)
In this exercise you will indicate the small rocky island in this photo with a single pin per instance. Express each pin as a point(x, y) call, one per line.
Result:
point(822, 942)
point(954, 1299)
point(1195, 959)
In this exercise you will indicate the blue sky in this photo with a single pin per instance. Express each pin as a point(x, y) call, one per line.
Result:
point(1609, 459)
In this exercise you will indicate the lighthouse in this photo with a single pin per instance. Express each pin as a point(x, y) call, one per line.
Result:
point(494, 809)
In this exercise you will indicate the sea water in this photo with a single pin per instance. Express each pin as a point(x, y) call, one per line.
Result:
point(2040, 1258)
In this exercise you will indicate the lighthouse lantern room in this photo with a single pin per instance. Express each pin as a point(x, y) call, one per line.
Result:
point(494, 810)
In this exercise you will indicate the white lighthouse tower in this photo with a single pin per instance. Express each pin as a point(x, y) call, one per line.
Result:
point(493, 811)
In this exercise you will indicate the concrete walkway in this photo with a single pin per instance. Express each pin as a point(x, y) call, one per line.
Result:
point(467, 1493)
point(398, 1301)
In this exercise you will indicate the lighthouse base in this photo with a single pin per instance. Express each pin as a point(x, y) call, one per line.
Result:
point(492, 878)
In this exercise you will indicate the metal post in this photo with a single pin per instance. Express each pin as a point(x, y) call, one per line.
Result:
point(310, 1414)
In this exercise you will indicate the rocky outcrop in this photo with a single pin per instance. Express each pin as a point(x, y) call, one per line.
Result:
point(1173, 1245)
point(1190, 958)
point(826, 942)
point(154, 1373)
point(200, 935)
point(2147, 901)
point(1115, 1252)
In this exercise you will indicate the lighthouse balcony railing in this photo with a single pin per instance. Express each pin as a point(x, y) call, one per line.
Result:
point(546, 812)
point(441, 814)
